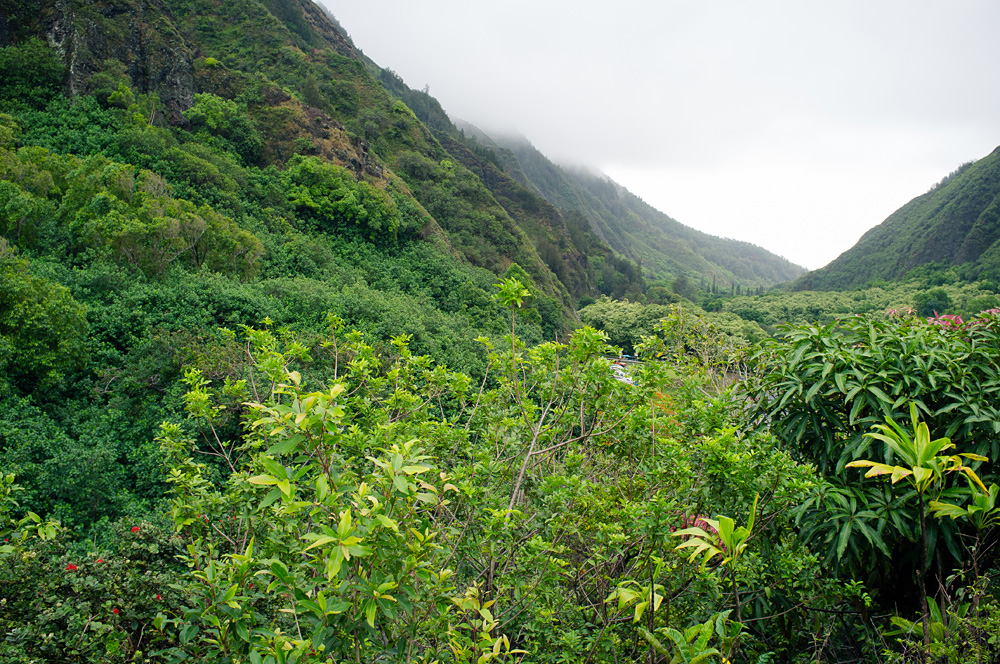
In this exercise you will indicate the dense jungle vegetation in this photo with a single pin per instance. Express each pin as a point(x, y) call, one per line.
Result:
point(292, 373)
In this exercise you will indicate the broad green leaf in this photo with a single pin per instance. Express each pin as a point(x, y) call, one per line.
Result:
point(274, 467)
point(844, 538)
point(283, 447)
point(399, 481)
point(265, 480)
point(272, 495)
point(318, 540)
point(387, 522)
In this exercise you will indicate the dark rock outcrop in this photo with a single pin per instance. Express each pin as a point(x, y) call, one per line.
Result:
point(138, 33)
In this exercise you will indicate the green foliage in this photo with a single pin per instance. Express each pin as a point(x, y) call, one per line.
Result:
point(32, 74)
point(518, 288)
point(732, 538)
point(99, 604)
point(24, 217)
point(359, 583)
point(64, 478)
point(16, 531)
point(932, 302)
point(625, 323)
point(334, 201)
point(85, 127)
point(692, 645)
point(845, 525)
point(982, 513)
point(380, 504)
point(42, 328)
point(341, 429)
point(826, 386)
point(924, 467)
point(119, 212)
point(379, 484)
point(512, 293)
point(770, 309)
point(226, 119)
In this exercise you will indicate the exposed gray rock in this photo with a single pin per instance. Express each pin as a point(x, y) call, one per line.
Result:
point(138, 33)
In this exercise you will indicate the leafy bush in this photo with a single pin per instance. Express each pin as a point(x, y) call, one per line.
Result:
point(32, 74)
point(826, 386)
point(332, 200)
point(42, 328)
point(824, 389)
point(65, 603)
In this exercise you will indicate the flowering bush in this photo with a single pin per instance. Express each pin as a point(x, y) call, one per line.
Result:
point(63, 603)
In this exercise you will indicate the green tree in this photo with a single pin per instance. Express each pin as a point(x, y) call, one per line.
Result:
point(335, 201)
point(229, 120)
point(32, 74)
point(42, 327)
point(933, 302)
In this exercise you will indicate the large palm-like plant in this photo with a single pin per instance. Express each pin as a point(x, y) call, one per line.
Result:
point(923, 467)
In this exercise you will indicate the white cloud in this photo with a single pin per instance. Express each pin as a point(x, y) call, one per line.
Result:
point(796, 126)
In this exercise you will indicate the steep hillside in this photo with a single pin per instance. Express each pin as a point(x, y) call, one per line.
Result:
point(581, 260)
point(266, 80)
point(294, 82)
point(957, 223)
point(663, 246)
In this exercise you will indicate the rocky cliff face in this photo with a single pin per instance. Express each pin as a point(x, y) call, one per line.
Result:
point(321, 24)
point(144, 39)
point(144, 36)
point(138, 33)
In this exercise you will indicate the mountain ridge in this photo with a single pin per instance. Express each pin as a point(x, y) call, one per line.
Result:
point(305, 88)
point(614, 211)
point(956, 224)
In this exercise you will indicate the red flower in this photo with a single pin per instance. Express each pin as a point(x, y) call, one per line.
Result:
point(157, 595)
point(114, 611)
point(71, 567)
point(100, 560)
point(135, 529)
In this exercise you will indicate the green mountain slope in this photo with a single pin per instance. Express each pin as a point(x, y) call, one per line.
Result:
point(583, 262)
point(272, 79)
point(664, 246)
point(298, 83)
point(957, 223)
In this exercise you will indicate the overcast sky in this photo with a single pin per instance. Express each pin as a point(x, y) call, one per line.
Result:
point(795, 125)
